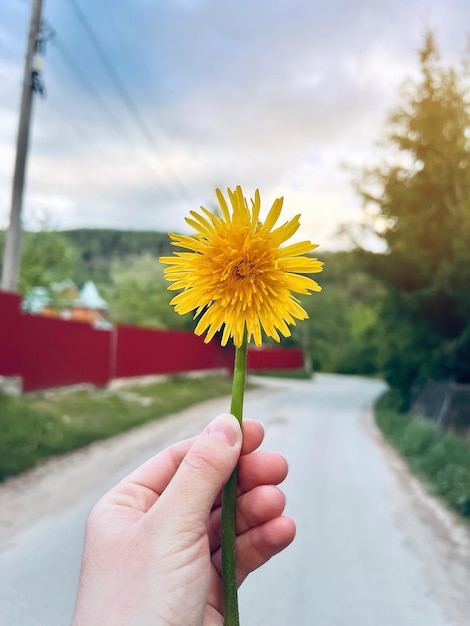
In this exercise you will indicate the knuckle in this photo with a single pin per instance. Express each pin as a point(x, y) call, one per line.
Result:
point(205, 459)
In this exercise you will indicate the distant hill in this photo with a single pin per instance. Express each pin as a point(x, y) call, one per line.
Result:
point(101, 242)
point(98, 247)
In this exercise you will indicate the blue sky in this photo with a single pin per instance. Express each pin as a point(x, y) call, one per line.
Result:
point(274, 94)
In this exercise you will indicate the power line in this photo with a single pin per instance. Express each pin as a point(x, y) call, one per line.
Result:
point(82, 78)
point(125, 95)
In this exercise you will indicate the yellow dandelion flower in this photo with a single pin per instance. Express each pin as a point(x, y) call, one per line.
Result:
point(236, 272)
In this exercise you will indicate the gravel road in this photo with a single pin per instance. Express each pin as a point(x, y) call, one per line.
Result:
point(372, 547)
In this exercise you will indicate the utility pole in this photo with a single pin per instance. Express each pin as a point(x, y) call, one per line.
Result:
point(31, 83)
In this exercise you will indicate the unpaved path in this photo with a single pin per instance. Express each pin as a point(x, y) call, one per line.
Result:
point(372, 549)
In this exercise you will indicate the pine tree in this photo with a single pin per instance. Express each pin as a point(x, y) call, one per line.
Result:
point(422, 213)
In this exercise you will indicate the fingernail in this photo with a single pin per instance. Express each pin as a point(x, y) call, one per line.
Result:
point(226, 428)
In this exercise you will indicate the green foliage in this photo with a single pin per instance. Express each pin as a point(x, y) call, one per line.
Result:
point(37, 426)
point(46, 257)
point(125, 267)
point(99, 248)
point(420, 208)
point(341, 333)
point(441, 459)
point(139, 295)
point(299, 374)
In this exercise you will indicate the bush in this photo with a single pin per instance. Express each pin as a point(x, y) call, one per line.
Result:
point(22, 431)
point(441, 459)
point(418, 437)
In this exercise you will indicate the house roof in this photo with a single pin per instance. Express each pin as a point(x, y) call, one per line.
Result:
point(65, 294)
point(35, 300)
point(90, 298)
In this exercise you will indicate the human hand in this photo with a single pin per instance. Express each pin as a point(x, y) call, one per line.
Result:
point(152, 548)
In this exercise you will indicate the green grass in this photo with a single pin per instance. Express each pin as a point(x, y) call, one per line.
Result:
point(300, 374)
point(36, 426)
point(441, 459)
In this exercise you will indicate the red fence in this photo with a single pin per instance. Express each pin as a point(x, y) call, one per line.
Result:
point(46, 352)
point(141, 351)
point(274, 358)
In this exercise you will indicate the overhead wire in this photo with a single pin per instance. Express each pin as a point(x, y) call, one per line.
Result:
point(82, 78)
point(126, 96)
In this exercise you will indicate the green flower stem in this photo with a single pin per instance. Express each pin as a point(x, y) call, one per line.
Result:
point(229, 495)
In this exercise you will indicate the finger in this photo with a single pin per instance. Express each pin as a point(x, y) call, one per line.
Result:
point(189, 497)
point(253, 508)
point(258, 506)
point(141, 488)
point(259, 468)
point(253, 435)
point(259, 544)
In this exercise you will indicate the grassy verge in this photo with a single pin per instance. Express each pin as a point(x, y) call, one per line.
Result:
point(39, 425)
point(301, 374)
point(441, 459)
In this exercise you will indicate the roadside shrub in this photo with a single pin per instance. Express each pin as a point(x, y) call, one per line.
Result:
point(35, 426)
point(417, 437)
point(22, 431)
point(441, 459)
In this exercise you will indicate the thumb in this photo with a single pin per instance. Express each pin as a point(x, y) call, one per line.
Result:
point(205, 469)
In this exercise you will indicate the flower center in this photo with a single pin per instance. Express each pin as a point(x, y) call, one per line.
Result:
point(243, 269)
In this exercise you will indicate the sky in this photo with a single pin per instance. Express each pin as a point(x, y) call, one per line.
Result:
point(152, 104)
